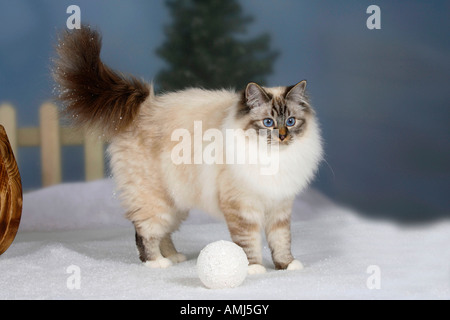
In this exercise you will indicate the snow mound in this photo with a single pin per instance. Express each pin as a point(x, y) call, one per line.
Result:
point(74, 243)
point(73, 206)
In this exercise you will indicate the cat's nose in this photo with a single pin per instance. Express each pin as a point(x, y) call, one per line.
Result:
point(282, 133)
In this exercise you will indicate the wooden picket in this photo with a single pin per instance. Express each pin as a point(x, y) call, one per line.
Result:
point(8, 120)
point(50, 136)
point(50, 145)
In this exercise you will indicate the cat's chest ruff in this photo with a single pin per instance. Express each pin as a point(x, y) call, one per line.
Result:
point(279, 176)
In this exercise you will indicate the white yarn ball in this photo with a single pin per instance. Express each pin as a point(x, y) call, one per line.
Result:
point(222, 264)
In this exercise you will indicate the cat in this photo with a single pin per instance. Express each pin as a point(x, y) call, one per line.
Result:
point(157, 191)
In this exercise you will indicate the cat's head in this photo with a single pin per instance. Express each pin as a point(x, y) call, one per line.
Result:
point(283, 111)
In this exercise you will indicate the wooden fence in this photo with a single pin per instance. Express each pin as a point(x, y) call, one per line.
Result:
point(50, 136)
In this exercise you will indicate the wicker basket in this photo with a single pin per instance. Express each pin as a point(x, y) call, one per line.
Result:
point(10, 193)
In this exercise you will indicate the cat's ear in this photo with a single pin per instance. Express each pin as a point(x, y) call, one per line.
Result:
point(255, 96)
point(296, 93)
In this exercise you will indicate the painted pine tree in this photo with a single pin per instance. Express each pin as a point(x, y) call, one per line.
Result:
point(206, 47)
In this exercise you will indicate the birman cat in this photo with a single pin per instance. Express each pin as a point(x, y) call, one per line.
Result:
point(241, 155)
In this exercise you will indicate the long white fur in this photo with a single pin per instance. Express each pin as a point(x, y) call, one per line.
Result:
point(141, 172)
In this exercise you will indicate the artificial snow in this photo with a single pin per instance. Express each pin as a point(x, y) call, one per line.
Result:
point(74, 243)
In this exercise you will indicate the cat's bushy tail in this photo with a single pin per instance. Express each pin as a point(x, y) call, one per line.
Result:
point(94, 95)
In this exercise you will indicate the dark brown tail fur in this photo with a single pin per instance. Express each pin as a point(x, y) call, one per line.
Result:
point(94, 95)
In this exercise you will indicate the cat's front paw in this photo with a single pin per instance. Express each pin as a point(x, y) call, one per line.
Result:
point(256, 269)
point(158, 263)
point(295, 265)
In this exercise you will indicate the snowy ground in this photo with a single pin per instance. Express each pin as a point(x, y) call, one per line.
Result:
point(75, 234)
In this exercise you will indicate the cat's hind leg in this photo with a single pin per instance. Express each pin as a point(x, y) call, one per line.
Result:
point(153, 237)
point(166, 245)
point(148, 252)
point(168, 250)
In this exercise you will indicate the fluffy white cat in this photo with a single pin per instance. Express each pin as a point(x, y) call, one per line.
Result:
point(161, 175)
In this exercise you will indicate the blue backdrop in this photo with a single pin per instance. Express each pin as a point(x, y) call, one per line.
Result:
point(382, 96)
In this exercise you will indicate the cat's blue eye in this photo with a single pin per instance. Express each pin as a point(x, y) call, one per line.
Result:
point(290, 122)
point(268, 122)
